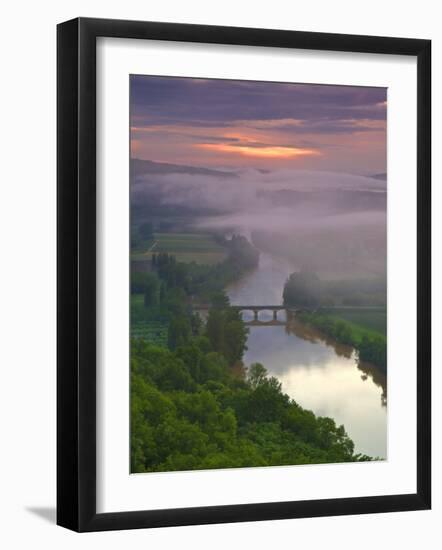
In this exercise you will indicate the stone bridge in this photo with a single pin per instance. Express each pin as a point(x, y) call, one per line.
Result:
point(256, 309)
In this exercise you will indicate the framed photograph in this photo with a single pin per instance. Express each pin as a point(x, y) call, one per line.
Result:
point(243, 274)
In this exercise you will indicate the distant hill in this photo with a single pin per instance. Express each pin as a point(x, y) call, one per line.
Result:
point(382, 177)
point(140, 167)
point(347, 200)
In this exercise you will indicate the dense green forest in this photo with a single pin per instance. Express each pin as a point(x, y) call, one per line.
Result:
point(191, 410)
point(193, 403)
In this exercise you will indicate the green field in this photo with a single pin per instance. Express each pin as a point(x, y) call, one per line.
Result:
point(373, 320)
point(154, 332)
point(186, 247)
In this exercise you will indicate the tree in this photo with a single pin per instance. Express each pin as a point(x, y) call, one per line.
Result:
point(219, 299)
point(163, 292)
point(179, 332)
point(214, 367)
point(192, 357)
point(266, 403)
point(179, 424)
point(242, 253)
point(196, 323)
point(373, 350)
point(227, 332)
point(302, 288)
point(138, 282)
point(256, 375)
point(175, 376)
point(215, 329)
point(235, 340)
point(151, 290)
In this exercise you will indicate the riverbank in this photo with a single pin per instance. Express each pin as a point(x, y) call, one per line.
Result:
point(315, 370)
point(370, 345)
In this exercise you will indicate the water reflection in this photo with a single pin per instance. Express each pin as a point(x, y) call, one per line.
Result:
point(317, 372)
point(377, 376)
point(327, 380)
point(369, 371)
point(313, 335)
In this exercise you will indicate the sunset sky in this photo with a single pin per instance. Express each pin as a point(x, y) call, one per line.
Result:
point(235, 124)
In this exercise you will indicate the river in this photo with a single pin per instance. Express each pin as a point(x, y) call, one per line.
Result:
point(315, 371)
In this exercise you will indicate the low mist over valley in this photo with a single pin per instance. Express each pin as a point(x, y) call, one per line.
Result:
point(329, 222)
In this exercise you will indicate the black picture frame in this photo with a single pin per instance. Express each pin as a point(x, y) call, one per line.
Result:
point(76, 274)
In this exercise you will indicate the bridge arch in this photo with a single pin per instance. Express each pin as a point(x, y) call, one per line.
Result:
point(250, 313)
point(257, 310)
point(253, 311)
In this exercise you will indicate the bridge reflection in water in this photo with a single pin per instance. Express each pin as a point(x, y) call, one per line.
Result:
point(256, 310)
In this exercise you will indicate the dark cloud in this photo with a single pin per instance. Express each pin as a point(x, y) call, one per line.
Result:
point(329, 126)
point(167, 100)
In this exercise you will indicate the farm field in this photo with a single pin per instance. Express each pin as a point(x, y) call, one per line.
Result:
point(186, 247)
point(141, 326)
point(373, 320)
point(152, 332)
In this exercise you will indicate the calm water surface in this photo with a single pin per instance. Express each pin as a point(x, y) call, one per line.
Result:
point(319, 374)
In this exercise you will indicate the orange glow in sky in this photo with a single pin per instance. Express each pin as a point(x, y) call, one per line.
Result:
point(264, 125)
point(259, 152)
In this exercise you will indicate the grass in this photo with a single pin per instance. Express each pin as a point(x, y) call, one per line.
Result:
point(186, 247)
point(362, 319)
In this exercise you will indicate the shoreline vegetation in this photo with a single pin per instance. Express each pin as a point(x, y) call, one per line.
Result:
point(194, 405)
point(370, 346)
point(306, 291)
